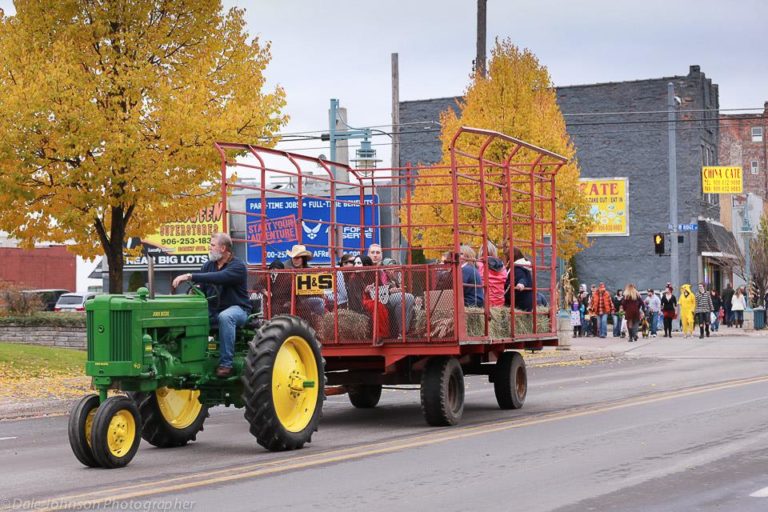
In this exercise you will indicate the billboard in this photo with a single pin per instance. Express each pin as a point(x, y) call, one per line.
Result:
point(184, 242)
point(609, 205)
point(721, 180)
point(283, 226)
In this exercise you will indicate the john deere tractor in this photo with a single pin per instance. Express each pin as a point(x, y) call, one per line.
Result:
point(160, 355)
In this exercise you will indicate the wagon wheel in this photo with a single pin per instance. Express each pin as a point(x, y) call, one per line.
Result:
point(284, 384)
point(116, 432)
point(170, 417)
point(79, 429)
point(364, 396)
point(510, 380)
point(442, 391)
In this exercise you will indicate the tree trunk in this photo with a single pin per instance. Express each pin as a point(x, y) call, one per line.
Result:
point(113, 245)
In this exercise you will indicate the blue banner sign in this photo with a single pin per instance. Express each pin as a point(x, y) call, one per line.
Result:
point(314, 233)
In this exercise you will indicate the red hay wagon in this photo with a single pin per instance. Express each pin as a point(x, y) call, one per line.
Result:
point(406, 320)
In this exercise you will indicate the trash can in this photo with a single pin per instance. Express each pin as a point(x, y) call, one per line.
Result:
point(759, 313)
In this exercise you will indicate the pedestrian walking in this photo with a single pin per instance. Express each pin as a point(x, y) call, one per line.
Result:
point(716, 305)
point(617, 317)
point(602, 306)
point(687, 308)
point(738, 305)
point(703, 310)
point(653, 308)
point(668, 310)
point(633, 306)
point(727, 296)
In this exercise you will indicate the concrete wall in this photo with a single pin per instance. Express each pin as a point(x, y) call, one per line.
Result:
point(66, 337)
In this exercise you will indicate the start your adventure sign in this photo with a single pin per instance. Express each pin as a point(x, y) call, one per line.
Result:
point(721, 180)
point(609, 205)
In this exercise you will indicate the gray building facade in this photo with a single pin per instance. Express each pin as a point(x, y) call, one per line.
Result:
point(620, 130)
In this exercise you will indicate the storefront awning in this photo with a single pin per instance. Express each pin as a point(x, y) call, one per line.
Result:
point(717, 242)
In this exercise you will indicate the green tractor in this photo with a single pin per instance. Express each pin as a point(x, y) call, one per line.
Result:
point(162, 354)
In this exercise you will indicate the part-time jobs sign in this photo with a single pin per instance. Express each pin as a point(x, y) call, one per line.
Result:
point(721, 180)
point(609, 205)
point(283, 226)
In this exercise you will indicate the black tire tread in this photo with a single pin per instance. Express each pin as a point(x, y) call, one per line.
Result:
point(157, 432)
point(364, 396)
point(434, 386)
point(76, 430)
point(264, 424)
point(504, 384)
point(104, 414)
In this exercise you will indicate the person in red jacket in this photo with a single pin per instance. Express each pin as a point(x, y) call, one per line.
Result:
point(602, 306)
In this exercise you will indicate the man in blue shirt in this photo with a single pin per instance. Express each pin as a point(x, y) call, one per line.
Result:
point(474, 295)
point(224, 279)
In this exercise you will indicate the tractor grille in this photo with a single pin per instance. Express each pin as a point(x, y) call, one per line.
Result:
point(90, 334)
point(120, 339)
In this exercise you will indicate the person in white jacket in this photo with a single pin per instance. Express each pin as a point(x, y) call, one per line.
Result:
point(738, 305)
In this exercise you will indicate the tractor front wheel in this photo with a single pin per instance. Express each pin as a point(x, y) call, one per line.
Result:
point(170, 417)
point(284, 384)
point(79, 429)
point(116, 432)
point(442, 391)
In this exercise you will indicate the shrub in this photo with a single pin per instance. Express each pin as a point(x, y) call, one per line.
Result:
point(16, 303)
point(45, 319)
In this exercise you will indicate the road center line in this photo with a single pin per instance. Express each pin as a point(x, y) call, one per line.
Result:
point(246, 471)
point(762, 493)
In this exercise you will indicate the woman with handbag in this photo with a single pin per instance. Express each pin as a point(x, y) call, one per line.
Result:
point(668, 310)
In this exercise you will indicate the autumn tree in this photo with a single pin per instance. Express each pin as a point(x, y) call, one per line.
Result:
point(109, 111)
point(516, 98)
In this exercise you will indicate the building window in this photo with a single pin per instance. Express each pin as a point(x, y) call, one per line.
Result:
point(755, 167)
point(757, 134)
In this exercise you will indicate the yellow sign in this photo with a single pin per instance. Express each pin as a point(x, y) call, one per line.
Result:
point(609, 205)
point(313, 284)
point(189, 236)
point(721, 180)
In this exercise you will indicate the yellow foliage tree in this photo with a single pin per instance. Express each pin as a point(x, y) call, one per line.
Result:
point(517, 98)
point(109, 111)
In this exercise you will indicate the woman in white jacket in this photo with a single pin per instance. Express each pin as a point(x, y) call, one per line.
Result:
point(738, 305)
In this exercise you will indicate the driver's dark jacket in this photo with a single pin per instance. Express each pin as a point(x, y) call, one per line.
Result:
point(227, 286)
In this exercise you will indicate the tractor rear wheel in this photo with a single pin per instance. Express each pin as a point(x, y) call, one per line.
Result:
point(116, 432)
point(510, 380)
point(170, 417)
point(79, 429)
point(284, 384)
point(442, 391)
point(364, 396)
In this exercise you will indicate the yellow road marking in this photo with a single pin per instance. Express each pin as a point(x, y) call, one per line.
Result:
point(242, 472)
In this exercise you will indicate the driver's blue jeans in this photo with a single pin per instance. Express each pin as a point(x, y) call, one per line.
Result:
point(229, 320)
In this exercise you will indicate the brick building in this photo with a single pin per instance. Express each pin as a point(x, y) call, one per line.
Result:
point(744, 142)
point(41, 267)
point(620, 130)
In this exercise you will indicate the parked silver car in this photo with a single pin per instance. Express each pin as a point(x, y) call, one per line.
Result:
point(70, 302)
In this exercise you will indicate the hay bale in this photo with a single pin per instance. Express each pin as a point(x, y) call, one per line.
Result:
point(352, 325)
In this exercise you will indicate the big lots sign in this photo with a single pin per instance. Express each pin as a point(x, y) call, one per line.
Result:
point(282, 227)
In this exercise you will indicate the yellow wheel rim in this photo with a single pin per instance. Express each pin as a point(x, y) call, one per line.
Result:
point(121, 433)
point(89, 425)
point(179, 407)
point(295, 384)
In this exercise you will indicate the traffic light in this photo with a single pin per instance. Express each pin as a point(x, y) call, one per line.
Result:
point(658, 243)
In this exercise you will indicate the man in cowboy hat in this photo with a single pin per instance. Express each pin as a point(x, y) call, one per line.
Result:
point(298, 257)
point(224, 279)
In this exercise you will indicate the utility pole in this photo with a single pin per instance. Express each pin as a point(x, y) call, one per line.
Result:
point(672, 133)
point(395, 190)
point(337, 125)
point(480, 58)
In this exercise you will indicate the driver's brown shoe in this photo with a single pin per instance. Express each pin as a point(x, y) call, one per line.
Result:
point(223, 372)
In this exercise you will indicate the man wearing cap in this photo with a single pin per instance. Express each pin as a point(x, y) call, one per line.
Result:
point(224, 280)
